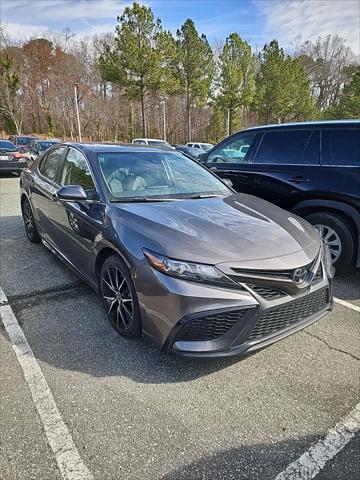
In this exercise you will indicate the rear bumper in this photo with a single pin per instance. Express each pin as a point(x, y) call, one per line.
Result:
point(13, 166)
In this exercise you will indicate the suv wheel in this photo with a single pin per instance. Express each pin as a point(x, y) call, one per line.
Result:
point(119, 297)
point(337, 235)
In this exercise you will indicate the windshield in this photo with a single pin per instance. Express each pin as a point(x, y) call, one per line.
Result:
point(45, 145)
point(157, 175)
point(8, 146)
point(24, 140)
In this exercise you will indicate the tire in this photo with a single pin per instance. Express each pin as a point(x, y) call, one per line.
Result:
point(342, 232)
point(29, 222)
point(119, 297)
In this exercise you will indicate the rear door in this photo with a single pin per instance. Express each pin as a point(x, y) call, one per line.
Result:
point(230, 159)
point(285, 168)
point(340, 164)
point(43, 193)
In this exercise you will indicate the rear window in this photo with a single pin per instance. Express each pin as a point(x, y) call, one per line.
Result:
point(8, 146)
point(24, 140)
point(341, 147)
point(285, 147)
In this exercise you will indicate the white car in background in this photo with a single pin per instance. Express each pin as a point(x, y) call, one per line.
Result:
point(201, 146)
point(154, 142)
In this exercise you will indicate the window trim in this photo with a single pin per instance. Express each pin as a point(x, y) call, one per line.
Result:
point(89, 167)
point(311, 130)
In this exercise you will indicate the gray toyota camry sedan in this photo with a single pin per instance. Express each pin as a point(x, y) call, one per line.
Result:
point(175, 254)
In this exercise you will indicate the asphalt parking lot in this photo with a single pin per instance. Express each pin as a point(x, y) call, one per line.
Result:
point(135, 413)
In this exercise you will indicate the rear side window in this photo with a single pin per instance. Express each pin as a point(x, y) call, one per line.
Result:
point(49, 165)
point(341, 147)
point(284, 147)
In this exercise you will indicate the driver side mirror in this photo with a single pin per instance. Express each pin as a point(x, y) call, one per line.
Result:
point(71, 193)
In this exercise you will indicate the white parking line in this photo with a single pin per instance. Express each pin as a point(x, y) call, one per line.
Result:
point(314, 460)
point(347, 304)
point(60, 440)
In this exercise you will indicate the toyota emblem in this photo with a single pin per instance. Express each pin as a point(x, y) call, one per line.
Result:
point(300, 275)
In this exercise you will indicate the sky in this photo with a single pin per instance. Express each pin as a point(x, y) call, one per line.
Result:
point(257, 21)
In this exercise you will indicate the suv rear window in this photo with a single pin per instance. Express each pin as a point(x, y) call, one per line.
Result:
point(341, 147)
point(284, 147)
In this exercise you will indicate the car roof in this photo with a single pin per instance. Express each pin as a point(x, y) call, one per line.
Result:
point(151, 139)
point(314, 124)
point(115, 147)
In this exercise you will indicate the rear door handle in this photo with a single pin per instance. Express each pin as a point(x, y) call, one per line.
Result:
point(213, 168)
point(299, 179)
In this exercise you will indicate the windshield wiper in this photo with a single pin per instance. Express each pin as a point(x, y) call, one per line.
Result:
point(143, 200)
point(201, 196)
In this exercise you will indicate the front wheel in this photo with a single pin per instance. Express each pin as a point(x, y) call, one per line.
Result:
point(29, 222)
point(337, 234)
point(119, 297)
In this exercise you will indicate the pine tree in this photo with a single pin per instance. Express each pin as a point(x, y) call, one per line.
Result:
point(136, 63)
point(194, 67)
point(283, 88)
point(236, 76)
point(348, 105)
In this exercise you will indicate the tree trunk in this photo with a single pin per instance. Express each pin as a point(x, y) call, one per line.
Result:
point(188, 115)
point(143, 117)
point(231, 119)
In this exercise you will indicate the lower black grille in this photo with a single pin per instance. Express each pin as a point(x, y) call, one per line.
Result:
point(212, 326)
point(277, 318)
point(268, 293)
point(318, 275)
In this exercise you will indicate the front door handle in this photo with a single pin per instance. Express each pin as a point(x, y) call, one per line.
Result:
point(213, 168)
point(299, 179)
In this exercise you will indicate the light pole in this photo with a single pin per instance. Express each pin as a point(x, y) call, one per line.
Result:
point(77, 109)
point(228, 121)
point(163, 103)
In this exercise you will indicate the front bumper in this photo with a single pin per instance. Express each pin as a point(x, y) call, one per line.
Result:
point(13, 166)
point(201, 321)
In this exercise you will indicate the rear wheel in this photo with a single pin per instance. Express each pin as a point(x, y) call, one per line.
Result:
point(337, 234)
point(29, 222)
point(119, 297)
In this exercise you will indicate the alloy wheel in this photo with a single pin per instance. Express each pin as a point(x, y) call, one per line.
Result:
point(331, 240)
point(28, 219)
point(118, 298)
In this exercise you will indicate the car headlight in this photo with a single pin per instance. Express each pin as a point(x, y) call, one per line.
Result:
point(326, 256)
point(195, 272)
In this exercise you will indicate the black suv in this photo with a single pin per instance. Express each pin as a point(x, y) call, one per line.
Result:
point(310, 168)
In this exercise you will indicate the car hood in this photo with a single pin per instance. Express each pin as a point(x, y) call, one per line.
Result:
point(240, 229)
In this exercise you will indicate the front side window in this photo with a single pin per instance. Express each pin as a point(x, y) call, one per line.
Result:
point(341, 147)
point(284, 147)
point(234, 150)
point(49, 165)
point(157, 175)
point(76, 172)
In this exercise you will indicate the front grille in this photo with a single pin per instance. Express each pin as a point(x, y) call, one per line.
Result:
point(268, 293)
point(287, 315)
point(212, 326)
